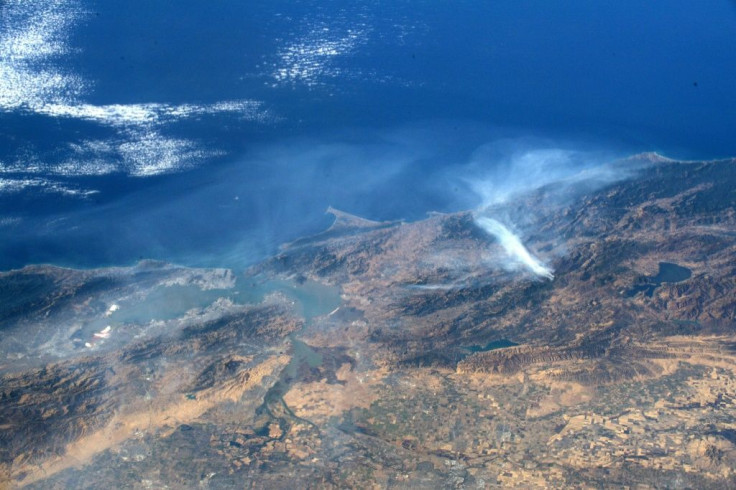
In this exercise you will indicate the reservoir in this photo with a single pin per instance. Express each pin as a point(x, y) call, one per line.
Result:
point(668, 272)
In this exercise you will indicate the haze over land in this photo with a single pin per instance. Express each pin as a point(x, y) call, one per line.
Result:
point(524, 277)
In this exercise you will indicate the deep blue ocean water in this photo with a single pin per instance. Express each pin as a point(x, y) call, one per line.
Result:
point(377, 108)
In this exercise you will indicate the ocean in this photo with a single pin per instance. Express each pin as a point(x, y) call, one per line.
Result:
point(209, 133)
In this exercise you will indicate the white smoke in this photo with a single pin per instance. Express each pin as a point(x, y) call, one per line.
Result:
point(504, 177)
point(506, 174)
point(513, 247)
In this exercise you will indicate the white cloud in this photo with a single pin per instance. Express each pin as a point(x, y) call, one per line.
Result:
point(9, 221)
point(33, 43)
point(10, 186)
point(313, 57)
point(150, 153)
point(141, 153)
point(33, 33)
point(126, 115)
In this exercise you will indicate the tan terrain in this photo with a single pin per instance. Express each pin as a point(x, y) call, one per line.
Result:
point(401, 355)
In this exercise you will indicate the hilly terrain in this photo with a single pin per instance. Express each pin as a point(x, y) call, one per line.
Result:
point(421, 354)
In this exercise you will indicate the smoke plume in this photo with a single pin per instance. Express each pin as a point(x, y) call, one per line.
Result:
point(516, 250)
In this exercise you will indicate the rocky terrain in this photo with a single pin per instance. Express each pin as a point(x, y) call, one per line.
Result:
point(398, 354)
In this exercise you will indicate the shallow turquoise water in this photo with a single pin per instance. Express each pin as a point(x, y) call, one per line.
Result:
point(311, 299)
